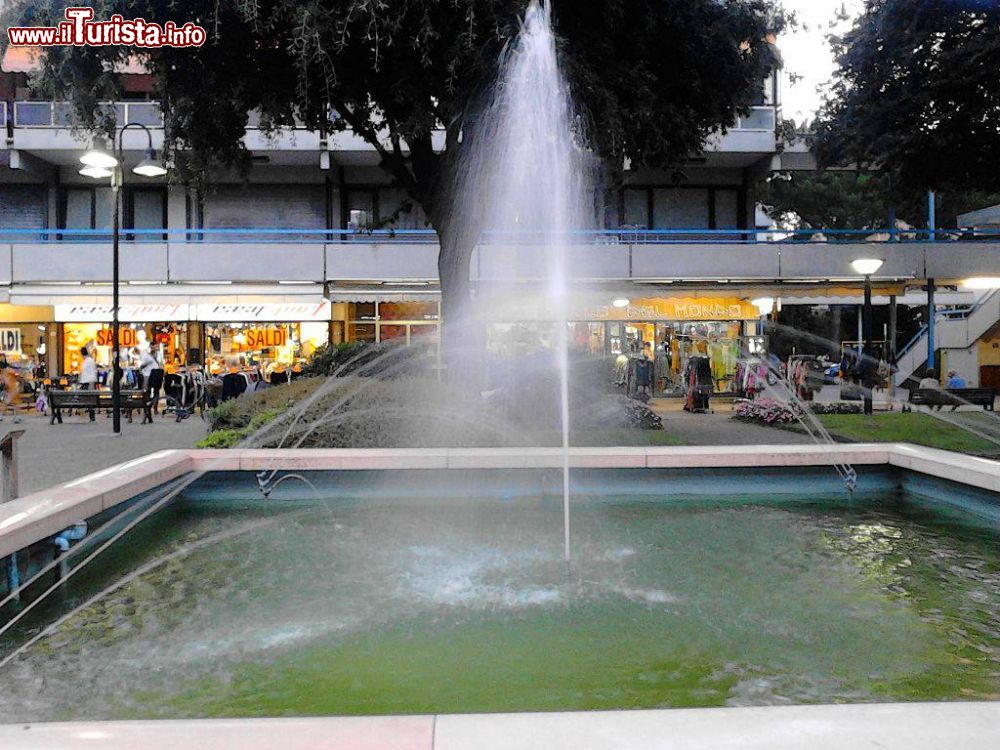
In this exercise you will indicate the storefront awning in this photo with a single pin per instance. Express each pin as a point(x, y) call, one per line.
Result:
point(365, 295)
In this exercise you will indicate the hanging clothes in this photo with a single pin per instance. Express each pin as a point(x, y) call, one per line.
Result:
point(700, 384)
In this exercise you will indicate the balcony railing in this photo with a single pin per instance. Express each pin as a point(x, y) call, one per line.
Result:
point(49, 114)
point(810, 237)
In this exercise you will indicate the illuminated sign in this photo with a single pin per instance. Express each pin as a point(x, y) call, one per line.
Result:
point(266, 338)
point(676, 308)
point(163, 313)
point(294, 312)
point(126, 336)
point(10, 339)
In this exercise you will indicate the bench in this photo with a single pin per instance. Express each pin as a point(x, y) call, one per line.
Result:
point(131, 400)
point(954, 398)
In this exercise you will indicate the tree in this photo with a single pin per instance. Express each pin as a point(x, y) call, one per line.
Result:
point(916, 94)
point(655, 78)
point(858, 200)
point(826, 200)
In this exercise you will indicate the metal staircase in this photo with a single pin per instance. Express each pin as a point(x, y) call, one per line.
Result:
point(954, 329)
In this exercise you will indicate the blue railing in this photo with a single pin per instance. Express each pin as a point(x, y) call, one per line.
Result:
point(530, 237)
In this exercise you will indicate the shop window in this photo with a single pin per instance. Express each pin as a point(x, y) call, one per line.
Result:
point(363, 332)
point(408, 311)
point(362, 311)
point(392, 332)
point(264, 346)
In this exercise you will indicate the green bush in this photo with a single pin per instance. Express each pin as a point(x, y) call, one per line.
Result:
point(237, 413)
point(221, 439)
point(229, 437)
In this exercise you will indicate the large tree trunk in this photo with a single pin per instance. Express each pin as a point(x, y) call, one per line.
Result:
point(462, 344)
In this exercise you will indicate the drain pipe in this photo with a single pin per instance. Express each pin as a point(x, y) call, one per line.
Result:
point(64, 539)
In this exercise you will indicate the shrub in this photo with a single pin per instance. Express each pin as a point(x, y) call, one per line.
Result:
point(221, 439)
point(237, 413)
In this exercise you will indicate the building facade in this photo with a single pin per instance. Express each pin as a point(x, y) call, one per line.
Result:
point(318, 245)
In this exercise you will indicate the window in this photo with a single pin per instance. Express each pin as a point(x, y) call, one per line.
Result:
point(636, 208)
point(359, 208)
point(24, 207)
point(265, 207)
point(681, 208)
point(93, 208)
point(727, 214)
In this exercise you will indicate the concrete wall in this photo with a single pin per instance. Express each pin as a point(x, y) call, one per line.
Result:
point(365, 260)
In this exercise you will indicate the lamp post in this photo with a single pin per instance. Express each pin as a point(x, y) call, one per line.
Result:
point(866, 267)
point(100, 164)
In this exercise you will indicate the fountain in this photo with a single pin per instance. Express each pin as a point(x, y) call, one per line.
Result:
point(434, 586)
point(525, 172)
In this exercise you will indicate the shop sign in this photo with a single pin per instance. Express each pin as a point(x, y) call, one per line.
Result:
point(294, 312)
point(676, 308)
point(162, 313)
point(127, 337)
point(266, 338)
point(10, 339)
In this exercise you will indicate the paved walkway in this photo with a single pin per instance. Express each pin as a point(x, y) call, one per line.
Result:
point(49, 454)
point(719, 428)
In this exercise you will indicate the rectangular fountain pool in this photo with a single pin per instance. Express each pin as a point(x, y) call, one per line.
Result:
point(446, 592)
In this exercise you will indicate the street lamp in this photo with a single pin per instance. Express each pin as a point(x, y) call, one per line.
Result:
point(99, 164)
point(866, 267)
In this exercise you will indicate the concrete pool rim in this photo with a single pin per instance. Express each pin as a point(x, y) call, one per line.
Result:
point(34, 517)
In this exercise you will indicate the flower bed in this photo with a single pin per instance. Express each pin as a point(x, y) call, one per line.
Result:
point(771, 411)
point(766, 411)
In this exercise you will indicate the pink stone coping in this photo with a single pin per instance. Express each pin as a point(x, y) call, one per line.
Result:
point(889, 726)
point(46, 513)
point(33, 517)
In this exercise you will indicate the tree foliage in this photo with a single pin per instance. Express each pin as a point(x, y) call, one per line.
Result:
point(917, 93)
point(654, 77)
point(859, 200)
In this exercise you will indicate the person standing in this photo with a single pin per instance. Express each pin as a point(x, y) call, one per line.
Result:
point(88, 376)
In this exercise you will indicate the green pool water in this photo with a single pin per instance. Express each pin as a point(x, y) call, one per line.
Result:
point(433, 605)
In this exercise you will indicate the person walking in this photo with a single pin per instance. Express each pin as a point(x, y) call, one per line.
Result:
point(88, 376)
point(147, 363)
